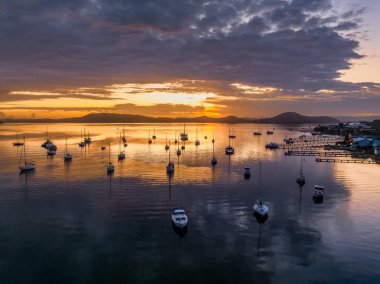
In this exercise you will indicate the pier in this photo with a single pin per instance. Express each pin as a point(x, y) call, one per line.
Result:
point(346, 161)
point(317, 153)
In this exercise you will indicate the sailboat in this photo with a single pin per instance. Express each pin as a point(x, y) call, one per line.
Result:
point(67, 156)
point(110, 167)
point(149, 140)
point(154, 133)
point(121, 154)
point(184, 136)
point(81, 143)
point(123, 138)
point(17, 143)
point(214, 161)
point(87, 140)
point(229, 149)
point(167, 147)
point(175, 141)
point(26, 165)
point(257, 132)
point(103, 147)
point(301, 178)
point(48, 143)
point(170, 166)
point(178, 151)
point(231, 136)
point(197, 142)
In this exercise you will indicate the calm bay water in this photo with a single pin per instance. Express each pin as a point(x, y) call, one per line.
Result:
point(71, 223)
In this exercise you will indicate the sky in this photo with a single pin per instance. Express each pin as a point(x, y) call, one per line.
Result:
point(187, 58)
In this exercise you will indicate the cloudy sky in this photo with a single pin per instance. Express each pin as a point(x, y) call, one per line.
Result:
point(250, 58)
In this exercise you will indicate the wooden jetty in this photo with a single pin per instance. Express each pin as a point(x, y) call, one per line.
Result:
point(329, 160)
point(317, 153)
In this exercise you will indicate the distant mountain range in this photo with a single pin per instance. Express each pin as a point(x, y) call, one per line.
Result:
point(284, 118)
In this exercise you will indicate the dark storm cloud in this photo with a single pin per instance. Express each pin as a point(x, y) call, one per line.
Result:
point(287, 44)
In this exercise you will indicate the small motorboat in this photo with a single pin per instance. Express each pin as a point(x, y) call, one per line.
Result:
point(167, 147)
point(230, 150)
point(82, 144)
point(271, 145)
point(178, 152)
point(125, 145)
point(257, 133)
point(183, 147)
point(51, 152)
point(103, 148)
point(205, 137)
point(301, 179)
point(179, 218)
point(269, 132)
point(197, 142)
point(260, 209)
point(318, 193)
point(247, 173)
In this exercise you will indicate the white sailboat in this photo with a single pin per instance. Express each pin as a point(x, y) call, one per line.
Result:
point(23, 164)
point(121, 153)
point(170, 166)
point(67, 156)
point(110, 167)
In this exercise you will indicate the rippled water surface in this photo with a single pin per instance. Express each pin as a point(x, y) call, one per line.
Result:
point(71, 223)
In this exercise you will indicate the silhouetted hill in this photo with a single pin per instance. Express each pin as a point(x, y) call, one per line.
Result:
point(296, 118)
point(285, 118)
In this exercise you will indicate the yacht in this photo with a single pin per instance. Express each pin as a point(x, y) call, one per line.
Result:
point(179, 218)
point(247, 173)
point(260, 209)
point(87, 140)
point(271, 145)
point(178, 151)
point(81, 143)
point(23, 164)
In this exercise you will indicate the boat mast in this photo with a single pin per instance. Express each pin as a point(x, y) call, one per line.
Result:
point(109, 153)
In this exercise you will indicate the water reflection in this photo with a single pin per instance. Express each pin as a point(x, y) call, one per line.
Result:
point(87, 219)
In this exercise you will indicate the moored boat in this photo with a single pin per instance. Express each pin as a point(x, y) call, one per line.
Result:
point(179, 218)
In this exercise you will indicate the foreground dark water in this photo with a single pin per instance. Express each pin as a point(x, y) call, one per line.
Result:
point(71, 223)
